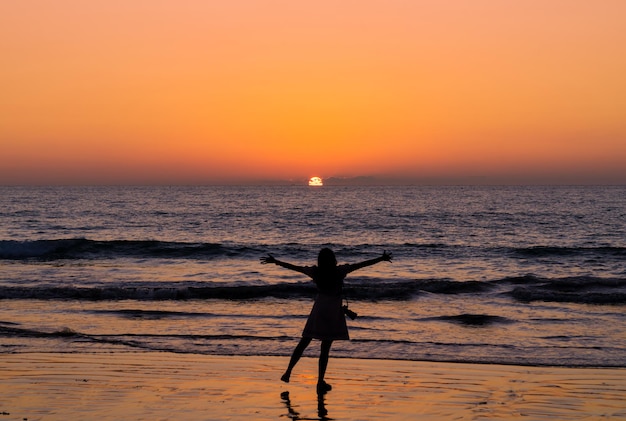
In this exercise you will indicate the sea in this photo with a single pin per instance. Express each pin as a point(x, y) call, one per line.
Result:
point(522, 275)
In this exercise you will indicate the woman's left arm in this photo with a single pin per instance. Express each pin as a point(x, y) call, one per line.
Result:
point(385, 257)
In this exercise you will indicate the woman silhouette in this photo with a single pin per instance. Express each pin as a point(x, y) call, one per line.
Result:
point(326, 320)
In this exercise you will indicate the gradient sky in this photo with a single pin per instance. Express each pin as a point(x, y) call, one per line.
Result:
point(130, 91)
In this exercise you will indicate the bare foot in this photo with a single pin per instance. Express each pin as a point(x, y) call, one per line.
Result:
point(323, 387)
point(285, 377)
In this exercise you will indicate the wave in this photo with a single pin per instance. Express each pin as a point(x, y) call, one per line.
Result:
point(80, 248)
point(364, 290)
point(472, 319)
point(149, 341)
point(590, 290)
point(70, 341)
point(546, 251)
point(578, 289)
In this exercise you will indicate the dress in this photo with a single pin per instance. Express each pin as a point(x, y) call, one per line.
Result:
point(326, 320)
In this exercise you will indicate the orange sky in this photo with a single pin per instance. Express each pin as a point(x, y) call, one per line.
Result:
point(207, 92)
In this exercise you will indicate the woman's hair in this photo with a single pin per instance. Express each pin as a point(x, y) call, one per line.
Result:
point(326, 259)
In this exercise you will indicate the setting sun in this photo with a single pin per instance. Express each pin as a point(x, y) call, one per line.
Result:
point(315, 181)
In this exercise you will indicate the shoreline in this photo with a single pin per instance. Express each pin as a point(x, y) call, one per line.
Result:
point(163, 385)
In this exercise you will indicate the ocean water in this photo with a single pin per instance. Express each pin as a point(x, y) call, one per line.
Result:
point(511, 275)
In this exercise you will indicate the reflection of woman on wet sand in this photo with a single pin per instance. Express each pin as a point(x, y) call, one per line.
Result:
point(326, 321)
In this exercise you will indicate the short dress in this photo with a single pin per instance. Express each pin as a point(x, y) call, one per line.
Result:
point(326, 320)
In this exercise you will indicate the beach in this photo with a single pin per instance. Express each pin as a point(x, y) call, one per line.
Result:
point(167, 386)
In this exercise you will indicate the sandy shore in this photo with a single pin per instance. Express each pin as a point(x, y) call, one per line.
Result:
point(164, 386)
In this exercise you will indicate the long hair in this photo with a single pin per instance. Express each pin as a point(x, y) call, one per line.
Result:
point(327, 278)
point(326, 259)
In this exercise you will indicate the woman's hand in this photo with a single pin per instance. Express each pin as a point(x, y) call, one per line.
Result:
point(386, 257)
point(267, 259)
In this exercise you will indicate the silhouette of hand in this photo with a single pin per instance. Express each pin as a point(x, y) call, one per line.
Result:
point(267, 259)
point(386, 256)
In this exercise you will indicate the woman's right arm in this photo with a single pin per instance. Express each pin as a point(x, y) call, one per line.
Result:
point(271, 259)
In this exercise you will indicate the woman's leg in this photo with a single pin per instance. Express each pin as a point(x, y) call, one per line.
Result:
point(323, 363)
point(295, 357)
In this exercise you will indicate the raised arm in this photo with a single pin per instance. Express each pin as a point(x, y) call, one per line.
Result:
point(385, 257)
point(271, 259)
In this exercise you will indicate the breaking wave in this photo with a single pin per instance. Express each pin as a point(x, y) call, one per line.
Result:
point(81, 248)
point(590, 290)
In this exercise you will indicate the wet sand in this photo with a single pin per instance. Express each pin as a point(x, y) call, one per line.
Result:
point(166, 386)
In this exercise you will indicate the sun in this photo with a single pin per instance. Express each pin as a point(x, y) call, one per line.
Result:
point(315, 181)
